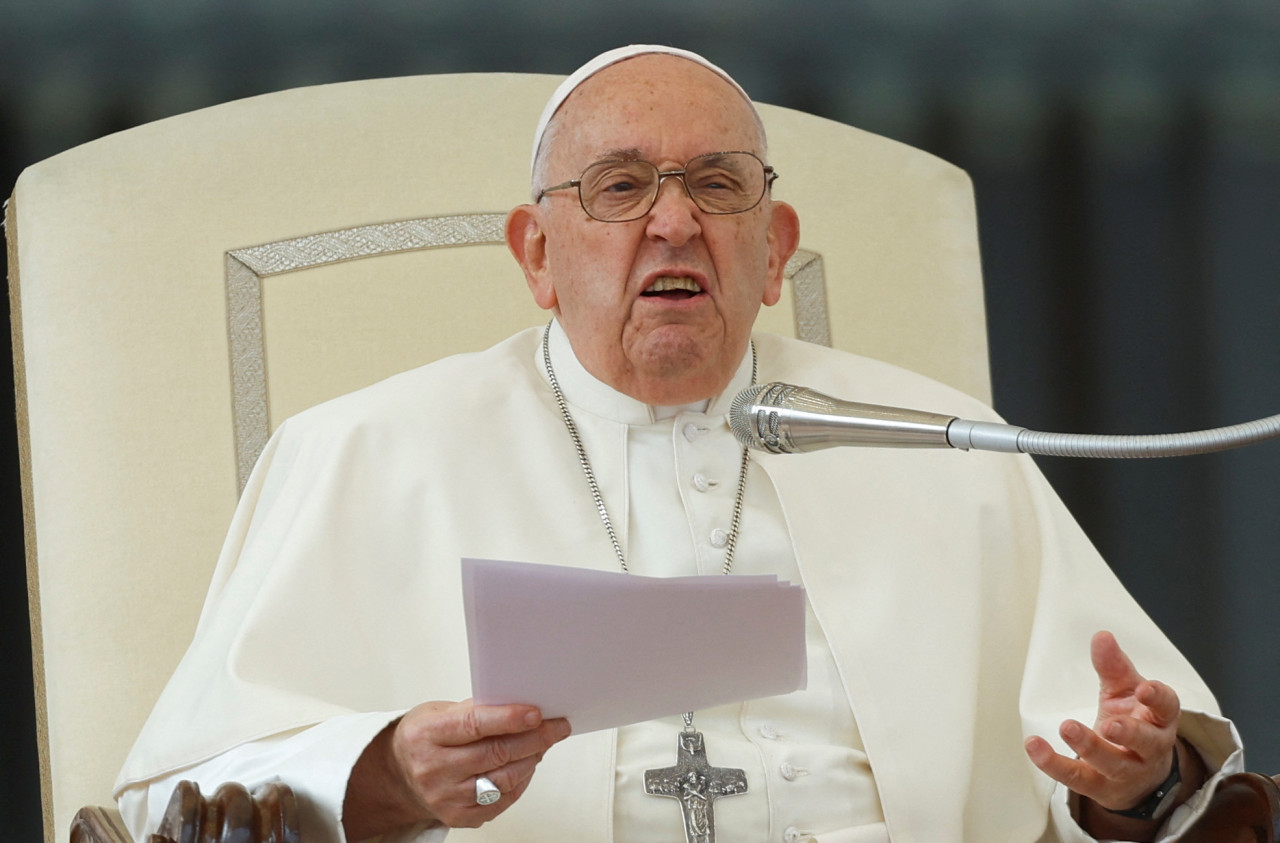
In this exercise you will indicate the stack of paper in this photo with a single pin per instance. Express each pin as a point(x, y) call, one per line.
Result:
point(606, 649)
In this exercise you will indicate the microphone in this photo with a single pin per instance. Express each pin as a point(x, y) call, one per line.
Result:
point(785, 419)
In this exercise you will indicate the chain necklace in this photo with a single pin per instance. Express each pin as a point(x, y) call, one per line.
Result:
point(736, 521)
point(692, 781)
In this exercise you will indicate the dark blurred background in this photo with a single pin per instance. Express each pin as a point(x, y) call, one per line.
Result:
point(1126, 155)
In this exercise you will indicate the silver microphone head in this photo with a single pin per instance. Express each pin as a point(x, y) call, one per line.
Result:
point(785, 419)
point(754, 420)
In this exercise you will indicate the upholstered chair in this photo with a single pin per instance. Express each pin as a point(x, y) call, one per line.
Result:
point(180, 288)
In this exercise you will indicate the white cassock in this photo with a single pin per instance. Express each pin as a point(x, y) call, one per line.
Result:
point(951, 603)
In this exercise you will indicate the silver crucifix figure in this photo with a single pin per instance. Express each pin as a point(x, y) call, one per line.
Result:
point(696, 784)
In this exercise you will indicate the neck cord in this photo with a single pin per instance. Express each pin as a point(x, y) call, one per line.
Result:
point(587, 471)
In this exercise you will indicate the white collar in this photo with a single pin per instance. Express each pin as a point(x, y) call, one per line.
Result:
point(585, 391)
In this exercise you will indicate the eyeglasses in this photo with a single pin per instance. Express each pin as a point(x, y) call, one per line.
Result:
point(626, 189)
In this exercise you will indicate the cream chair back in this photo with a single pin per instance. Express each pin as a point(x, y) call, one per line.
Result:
point(181, 287)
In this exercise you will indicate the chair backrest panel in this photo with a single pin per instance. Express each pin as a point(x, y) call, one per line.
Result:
point(131, 258)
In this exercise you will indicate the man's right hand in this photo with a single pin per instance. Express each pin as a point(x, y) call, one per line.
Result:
point(423, 767)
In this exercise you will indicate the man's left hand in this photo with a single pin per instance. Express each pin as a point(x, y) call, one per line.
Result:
point(1128, 752)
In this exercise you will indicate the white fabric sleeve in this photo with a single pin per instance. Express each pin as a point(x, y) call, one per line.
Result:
point(315, 762)
point(1219, 745)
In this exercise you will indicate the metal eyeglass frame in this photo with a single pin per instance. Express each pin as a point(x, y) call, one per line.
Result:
point(770, 176)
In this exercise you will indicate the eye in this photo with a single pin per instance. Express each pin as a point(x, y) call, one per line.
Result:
point(618, 185)
point(716, 180)
point(617, 178)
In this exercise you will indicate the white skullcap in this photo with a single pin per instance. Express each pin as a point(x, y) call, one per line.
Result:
point(599, 63)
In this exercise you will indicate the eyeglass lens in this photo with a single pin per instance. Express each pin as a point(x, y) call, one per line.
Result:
point(720, 183)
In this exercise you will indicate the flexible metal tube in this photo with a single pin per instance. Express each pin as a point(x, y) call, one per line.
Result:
point(1158, 445)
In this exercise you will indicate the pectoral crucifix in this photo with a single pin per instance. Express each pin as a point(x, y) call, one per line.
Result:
point(696, 784)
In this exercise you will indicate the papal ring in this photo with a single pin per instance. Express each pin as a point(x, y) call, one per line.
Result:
point(486, 791)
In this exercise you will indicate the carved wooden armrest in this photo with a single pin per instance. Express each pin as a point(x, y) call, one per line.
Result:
point(98, 825)
point(270, 815)
point(1245, 809)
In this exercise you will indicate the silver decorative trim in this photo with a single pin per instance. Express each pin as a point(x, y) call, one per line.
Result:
point(245, 269)
point(251, 422)
point(368, 241)
point(809, 297)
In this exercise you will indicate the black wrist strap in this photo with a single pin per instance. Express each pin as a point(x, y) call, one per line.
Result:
point(1161, 800)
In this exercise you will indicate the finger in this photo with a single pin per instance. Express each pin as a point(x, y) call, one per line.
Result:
point(456, 804)
point(459, 801)
point(1162, 703)
point(1095, 752)
point(1148, 727)
point(1069, 771)
point(481, 757)
point(463, 723)
point(433, 767)
point(1116, 672)
point(474, 814)
point(511, 777)
point(1140, 738)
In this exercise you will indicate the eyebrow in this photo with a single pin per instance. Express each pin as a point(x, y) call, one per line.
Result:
point(629, 154)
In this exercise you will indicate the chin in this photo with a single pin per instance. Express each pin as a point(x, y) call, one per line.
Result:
point(681, 381)
point(676, 360)
point(682, 366)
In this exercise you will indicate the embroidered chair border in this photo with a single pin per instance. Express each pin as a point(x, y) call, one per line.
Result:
point(246, 268)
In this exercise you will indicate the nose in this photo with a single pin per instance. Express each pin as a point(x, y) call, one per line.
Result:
point(673, 216)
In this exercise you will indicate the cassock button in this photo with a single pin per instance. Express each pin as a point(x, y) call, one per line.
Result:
point(793, 835)
point(702, 483)
point(788, 772)
point(768, 732)
point(719, 538)
point(692, 431)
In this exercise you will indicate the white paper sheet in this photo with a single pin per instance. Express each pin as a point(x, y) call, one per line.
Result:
point(605, 649)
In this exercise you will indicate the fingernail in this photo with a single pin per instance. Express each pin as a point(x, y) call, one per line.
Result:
point(532, 718)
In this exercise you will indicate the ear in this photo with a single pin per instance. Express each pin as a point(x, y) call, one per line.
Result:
point(528, 244)
point(783, 239)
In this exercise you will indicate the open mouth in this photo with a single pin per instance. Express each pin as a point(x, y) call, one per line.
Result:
point(673, 288)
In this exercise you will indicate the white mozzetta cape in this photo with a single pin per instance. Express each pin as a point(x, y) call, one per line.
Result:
point(957, 594)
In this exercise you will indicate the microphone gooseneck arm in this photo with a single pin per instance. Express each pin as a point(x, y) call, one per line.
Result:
point(784, 419)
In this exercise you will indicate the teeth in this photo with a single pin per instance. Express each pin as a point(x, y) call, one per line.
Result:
point(684, 282)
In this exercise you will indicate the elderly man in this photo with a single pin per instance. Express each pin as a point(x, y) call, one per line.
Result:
point(951, 599)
